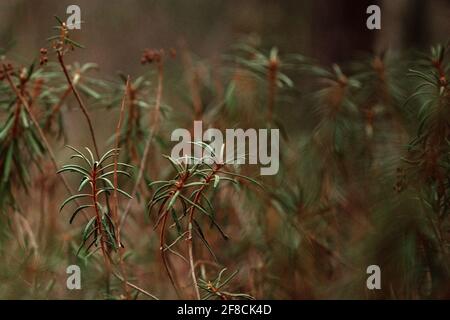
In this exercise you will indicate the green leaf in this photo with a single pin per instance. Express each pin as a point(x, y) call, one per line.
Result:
point(118, 190)
point(176, 165)
point(84, 181)
point(91, 155)
point(216, 180)
point(89, 92)
point(108, 182)
point(72, 169)
point(81, 155)
point(173, 199)
point(87, 233)
point(157, 182)
point(34, 143)
point(177, 222)
point(8, 163)
point(243, 177)
point(195, 205)
point(108, 154)
point(155, 201)
point(118, 164)
point(52, 38)
point(58, 19)
point(112, 172)
point(74, 43)
point(76, 167)
point(6, 128)
point(199, 231)
point(73, 198)
point(78, 210)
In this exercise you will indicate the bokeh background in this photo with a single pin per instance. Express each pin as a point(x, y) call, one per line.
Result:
point(332, 31)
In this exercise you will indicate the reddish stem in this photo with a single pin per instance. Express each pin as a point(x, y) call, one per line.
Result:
point(80, 102)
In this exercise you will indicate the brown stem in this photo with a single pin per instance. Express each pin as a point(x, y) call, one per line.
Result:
point(189, 235)
point(86, 114)
point(272, 82)
point(115, 207)
point(133, 121)
point(80, 102)
point(163, 255)
point(191, 259)
point(98, 217)
point(57, 107)
point(18, 109)
point(135, 287)
point(15, 128)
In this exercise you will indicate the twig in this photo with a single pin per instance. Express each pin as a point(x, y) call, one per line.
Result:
point(189, 235)
point(163, 254)
point(115, 207)
point(80, 102)
point(57, 106)
point(135, 286)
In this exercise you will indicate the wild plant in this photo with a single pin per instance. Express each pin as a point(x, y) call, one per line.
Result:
point(100, 230)
point(185, 197)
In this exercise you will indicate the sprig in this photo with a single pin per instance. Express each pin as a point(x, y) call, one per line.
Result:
point(95, 180)
point(184, 197)
point(215, 288)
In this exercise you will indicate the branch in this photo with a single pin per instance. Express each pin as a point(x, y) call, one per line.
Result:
point(80, 102)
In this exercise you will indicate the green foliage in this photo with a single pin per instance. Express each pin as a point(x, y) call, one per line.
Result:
point(190, 191)
point(20, 146)
point(96, 178)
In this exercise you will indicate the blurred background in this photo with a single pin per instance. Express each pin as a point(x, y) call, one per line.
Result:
point(115, 32)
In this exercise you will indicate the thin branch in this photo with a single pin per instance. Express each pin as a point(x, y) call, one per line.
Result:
point(163, 254)
point(115, 208)
point(148, 294)
point(80, 102)
point(191, 218)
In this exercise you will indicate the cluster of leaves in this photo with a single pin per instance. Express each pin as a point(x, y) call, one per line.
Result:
point(100, 230)
point(269, 70)
point(19, 143)
point(361, 124)
point(190, 192)
point(46, 91)
point(56, 92)
point(194, 177)
point(428, 163)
